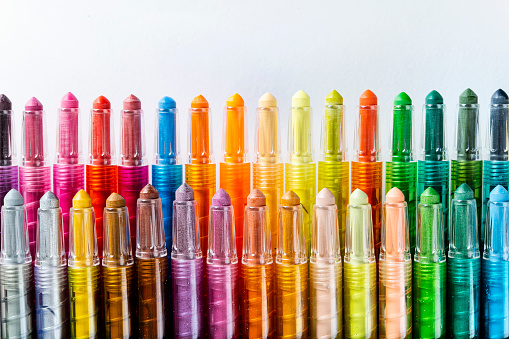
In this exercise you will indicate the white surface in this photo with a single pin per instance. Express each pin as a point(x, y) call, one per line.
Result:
point(186, 48)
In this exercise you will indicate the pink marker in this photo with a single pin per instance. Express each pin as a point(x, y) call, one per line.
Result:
point(34, 172)
point(68, 170)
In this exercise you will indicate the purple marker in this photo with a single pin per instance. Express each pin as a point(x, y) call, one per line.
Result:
point(222, 270)
point(187, 267)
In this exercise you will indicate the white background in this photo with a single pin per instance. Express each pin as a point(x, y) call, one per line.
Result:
point(185, 48)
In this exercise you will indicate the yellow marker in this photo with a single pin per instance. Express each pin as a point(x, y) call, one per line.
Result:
point(268, 171)
point(333, 170)
point(300, 172)
point(84, 270)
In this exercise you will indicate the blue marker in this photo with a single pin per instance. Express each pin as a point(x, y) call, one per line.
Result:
point(495, 266)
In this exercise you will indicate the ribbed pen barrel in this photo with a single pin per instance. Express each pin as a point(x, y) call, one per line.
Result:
point(119, 301)
point(494, 173)
point(84, 297)
point(131, 180)
point(495, 317)
point(301, 179)
point(153, 303)
point(188, 303)
point(463, 303)
point(166, 179)
point(52, 302)
point(68, 179)
point(336, 176)
point(8, 180)
point(17, 295)
point(292, 301)
point(33, 183)
point(326, 305)
point(360, 297)
point(429, 288)
point(269, 178)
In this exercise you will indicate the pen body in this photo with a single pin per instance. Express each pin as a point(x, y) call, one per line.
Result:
point(495, 299)
point(495, 173)
point(8, 180)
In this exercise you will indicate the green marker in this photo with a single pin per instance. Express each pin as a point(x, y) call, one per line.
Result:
point(333, 170)
point(401, 170)
point(433, 165)
point(429, 270)
point(466, 164)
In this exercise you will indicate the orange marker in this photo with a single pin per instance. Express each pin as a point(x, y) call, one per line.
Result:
point(366, 168)
point(235, 169)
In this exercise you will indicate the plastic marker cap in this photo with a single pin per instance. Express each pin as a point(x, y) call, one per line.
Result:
point(184, 193)
point(358, 197)
point(434, 98)
point(69, 101)
point(334, 98)
point(402, 99)
point(499, 194)
point(499, 98)
point(33, 105)
point(464, 192)
point(132, 103)
point(235, 101)
point(81, 200)
point(430, 197)
point(267, 100)
point(49, 200)
point(115, 200)
point(101, 103)
point(167, 103)
point(5, 103)
point(368, 98)
point(221, 198)
point(394, 196)
point(199, 102)
point(290, 198)
point(301, 99)
point(13, 198)
point(468, 97)
point(325, 198)
point(256, 198)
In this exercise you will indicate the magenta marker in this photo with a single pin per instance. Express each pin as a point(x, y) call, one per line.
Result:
point(222, 270)
point(68, 170)
point(187, 267)
point(34, 172)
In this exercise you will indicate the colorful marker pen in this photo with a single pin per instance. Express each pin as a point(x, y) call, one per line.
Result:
point(395, 269)
point(433, 165)
point(187, 267)
point(268, 170)
point(496, 166)
point(429, 269)
point(291, 271)
point(333, 170)
point(495, 267)
point(8, 165)
point(51, 285)
point(325, 270)
point(360, 295)
point(463, 267)
point(35, 171)
point(300, 172)
point(133, 168)
point(367, 169)
point(167, 167)
point(84, 270)
point(466, 163)
point(68, 169)
point(16, 275)
point(222, 270)
point(101, 171)
point(152, 267)
point(257, 270)
point(200, 169)
point(401, 169)
point(235, 169)
point(118, 271)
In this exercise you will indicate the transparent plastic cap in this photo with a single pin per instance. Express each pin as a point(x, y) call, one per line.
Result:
point(497, 143)
point(132, 138)
point(496, 244)
point(256, 249)
point(49, 246)
point(116, 238)
point(433, 145)
point(467, 141)
point(150, 241)
point(463, 232)
point(267, 138)
point(366, 137)
point(325, 244)
point(15, 247)
point(82, 238)
point(333, 138)
point(186, 232)
point(429, 246)
point(221, 247)
point(402, 134)
point(359, 245)
point(34, 148)
point(200, 136)
point(235, 139)
point(395, 231)
point(101, 138)
point(7, 139)
point(69, 147)
point(167, 138)
point(291, 245)
point(300, 140)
